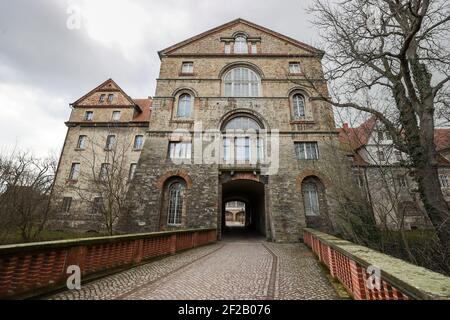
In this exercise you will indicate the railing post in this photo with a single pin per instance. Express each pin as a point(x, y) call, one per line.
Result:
point(173, 243)
point(138, 250)
point(358, 281)
point(76, 256)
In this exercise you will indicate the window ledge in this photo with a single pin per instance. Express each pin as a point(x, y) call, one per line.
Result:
point(137, 149)
point(80, 149)
point(71, 181)
point(302, 122)
point(185, 74)
point(180, 120)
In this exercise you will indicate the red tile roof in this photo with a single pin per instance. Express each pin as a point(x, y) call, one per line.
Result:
point(145, 105)
point(442, 138)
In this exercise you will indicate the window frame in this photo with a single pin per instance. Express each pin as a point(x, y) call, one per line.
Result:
point(298, 70)
point(110, 98)
point(81, 139)
point(88, 115)
point(101, 98)
point(295, 107)
point(175, 210)
point(108, 145)
point(309, 209)
point(115, 112)
point(66, 204)
point(240, 45)
point(74, 172)
point(298, 144)
point(234, 88)
point(173, 150)
point(180, 100)
point(187, 63)
point(132, 172)
point(141, 145)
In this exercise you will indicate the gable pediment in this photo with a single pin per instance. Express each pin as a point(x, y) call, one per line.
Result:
point(92, 98)
point(213, 41)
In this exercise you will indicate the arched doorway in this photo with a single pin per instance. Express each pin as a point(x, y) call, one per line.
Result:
point(252, 217)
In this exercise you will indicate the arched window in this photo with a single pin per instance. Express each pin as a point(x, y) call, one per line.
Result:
point(240, 45)
point(239, 146)
point(311, 199)
point(242, 82)
point(175, 207)
point(184, 106)
point(242, 123)
point(299, 106)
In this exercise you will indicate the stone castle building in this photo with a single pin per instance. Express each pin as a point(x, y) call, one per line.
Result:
point(233, 119)
point(383, 174)
point(105, 126)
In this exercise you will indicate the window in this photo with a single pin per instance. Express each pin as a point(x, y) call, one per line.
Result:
point(240, 45)
point(180, 150)
point(241, 82)
point(254, 48)
point(81, 144)
point(226, 149)
point(138, 142)
point(89, 115)
point(116, 115)
point(310, 199)
point(175, 208)
point(227, 48)
point(294, 68)
point(184, 106)
point(444, 181)
point(380, 135)
point(104, 171)
point(67, 202)
point(242, 123)
point(133, 167)
point(110, 97)
point(398, 155)
point(102, 98)
point(299, 106)
point(187, 67)
point(242, 147)
point(401, 182)
point(387, 136)
point(381, 155)
point(307, 150)
point(97, 205)
point(110, 142)
point(74, 172)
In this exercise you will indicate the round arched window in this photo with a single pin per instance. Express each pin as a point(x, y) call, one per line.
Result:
point(242, 82)
point(242, 123)
point(184, 106)
point(298, 101)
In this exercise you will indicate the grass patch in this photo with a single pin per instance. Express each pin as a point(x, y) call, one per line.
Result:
point(46, 235)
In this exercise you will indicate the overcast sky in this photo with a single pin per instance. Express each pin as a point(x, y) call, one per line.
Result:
point(45, 65)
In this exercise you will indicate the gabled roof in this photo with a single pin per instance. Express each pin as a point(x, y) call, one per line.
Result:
point(109, 84)
point(248, 23)
point(145, 105)
point(352, 139)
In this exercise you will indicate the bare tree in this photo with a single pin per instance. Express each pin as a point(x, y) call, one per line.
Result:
point(104, 179)
point(25, 193)
point(391, 58)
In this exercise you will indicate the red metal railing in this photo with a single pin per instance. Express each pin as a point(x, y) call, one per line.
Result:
point(30, 269)
point(341, 258)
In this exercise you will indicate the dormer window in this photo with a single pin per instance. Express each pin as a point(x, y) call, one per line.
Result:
point(240, 45)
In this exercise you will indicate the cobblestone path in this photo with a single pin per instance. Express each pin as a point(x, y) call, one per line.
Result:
point(239, 269)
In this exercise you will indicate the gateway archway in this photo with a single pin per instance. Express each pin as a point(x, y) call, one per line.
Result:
point(251, 194)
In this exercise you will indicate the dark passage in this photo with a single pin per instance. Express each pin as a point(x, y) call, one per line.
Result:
point(243, 209)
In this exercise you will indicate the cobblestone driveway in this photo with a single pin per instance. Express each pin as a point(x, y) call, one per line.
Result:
point(239, 269)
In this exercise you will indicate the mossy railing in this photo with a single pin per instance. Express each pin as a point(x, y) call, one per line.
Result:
point(29, 270)
point(389, 279)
